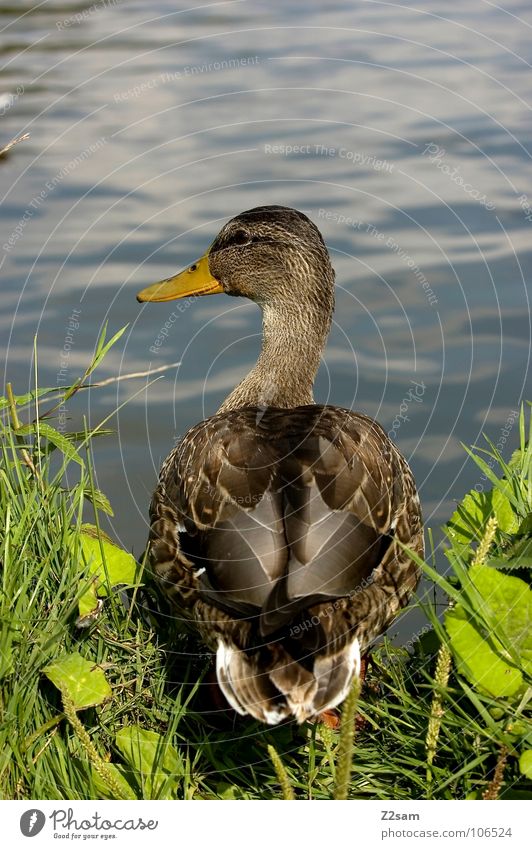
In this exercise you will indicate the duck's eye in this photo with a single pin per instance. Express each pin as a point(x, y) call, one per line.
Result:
point(240, 237)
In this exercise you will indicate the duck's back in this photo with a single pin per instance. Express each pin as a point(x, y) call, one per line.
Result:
point(286, 522)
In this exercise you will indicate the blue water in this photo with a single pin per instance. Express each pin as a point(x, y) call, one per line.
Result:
point(404, 133)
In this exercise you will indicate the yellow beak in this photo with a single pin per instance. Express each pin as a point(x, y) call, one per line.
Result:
point(194, 280)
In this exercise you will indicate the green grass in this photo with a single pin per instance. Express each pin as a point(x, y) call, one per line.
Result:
point(429, 724)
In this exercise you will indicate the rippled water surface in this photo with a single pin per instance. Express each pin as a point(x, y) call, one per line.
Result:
point(404, 133)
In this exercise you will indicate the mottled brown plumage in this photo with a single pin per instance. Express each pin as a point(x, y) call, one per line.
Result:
point(277, 523)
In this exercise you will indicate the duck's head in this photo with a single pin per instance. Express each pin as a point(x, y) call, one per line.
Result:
point(273, 255)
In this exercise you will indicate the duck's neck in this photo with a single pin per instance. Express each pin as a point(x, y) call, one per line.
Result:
point(293, 339)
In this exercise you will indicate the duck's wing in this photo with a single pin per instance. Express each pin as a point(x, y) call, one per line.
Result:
point(273, 512)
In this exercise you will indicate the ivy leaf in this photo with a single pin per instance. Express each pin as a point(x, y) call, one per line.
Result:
point(78, 678)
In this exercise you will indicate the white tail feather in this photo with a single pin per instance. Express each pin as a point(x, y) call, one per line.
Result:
point(244, 687)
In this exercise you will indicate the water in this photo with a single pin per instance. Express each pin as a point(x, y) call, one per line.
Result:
point(404, 133)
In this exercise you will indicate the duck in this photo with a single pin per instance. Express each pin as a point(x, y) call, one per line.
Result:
point(281, 528)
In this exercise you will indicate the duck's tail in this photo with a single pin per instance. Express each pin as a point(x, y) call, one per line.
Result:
point(284, 688)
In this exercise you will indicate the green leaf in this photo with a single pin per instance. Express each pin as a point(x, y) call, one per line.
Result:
point(510, 564)
point(507, 609)
point(507, 520)
point(96, 533)
point(102, 347)
point(227, 791)
point(99, 499)
point(80, 679)
point(486, 468)
point(58, 440)
point(516, 460)
point(520, 730)
point(157, 761)
point(525, 763)
point(477, 660)
point(468, 522)
point(522, 552)
point(232, 792)
point(89, 607)
point(119, 567)
point(516, 556)
point(21, 400)
point(469, 518)
point(82, 435)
